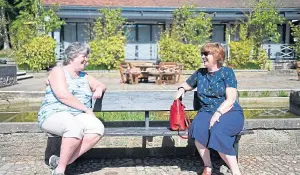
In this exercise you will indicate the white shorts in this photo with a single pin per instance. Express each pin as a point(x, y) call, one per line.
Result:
point(67, 125)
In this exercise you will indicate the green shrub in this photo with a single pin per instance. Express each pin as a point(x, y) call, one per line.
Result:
point(107, 52)
point(38, 54)
point(240, 53)
point(282, 94)
point(175, 51)
point(108, 44)
point(182, 43)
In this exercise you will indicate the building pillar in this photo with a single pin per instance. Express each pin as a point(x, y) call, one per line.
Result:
point(168, 25)
point(228, 39)
point(287, 33)
point(56, 37)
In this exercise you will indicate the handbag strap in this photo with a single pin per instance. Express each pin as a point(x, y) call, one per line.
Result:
point(186, 119)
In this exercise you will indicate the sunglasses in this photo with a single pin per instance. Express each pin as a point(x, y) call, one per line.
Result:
point(205, 53)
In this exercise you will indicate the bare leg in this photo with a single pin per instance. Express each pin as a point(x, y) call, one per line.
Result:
point(223, 157)
point(232, 163)
point(88, 141)
point(205, 155)
point(68, 146)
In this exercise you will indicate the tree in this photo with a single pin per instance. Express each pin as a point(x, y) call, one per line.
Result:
point(5, 7)
point(262, 23)
point(108, 44)
point(33, 20)
point(259, 27)
point(296, 35)
point(182, 42)
point(29, 34)
point(190, 27)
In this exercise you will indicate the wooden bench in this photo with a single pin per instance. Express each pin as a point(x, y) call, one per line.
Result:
point(169, 72)
point(129, 74)
point(146, 102)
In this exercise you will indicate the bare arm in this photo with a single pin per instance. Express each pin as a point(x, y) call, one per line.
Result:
point(231, 96)
point(186, 86)
point(59, 87)
point(94, 84)
point(182, 89)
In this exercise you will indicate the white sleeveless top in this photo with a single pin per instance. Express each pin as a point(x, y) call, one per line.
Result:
point(79, 87)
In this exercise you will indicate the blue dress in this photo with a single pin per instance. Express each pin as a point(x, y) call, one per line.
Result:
point(211, 88)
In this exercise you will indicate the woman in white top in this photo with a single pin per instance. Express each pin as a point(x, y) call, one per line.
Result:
point(66, 109)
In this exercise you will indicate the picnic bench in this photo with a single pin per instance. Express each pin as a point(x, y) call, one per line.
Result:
point(146, 102)
point(164, 73)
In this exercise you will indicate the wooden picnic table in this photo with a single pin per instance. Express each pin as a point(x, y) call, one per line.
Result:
point(145, 67)
point(165, 72)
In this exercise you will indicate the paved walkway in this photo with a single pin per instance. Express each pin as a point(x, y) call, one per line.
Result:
point(287, 165)
point(275, 165)
point(246, 81)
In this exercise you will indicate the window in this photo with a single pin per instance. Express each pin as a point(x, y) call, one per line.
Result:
point(156, 32)
point(218, 33)
point(144, 33)
point(70, 32)
point(83, 32)
point(130, 33)
point(76, 32)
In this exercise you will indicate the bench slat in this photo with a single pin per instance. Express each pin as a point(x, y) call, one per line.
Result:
point(150, 131)
point(140, 101)
point(142, 131)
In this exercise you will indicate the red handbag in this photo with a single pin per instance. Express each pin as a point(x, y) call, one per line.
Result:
point(179, 121)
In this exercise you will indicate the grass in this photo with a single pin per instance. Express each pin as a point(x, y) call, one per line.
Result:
point(137, 116)
point(244, 94)
point(95, 67)
point(265, 94)
point(283, 94)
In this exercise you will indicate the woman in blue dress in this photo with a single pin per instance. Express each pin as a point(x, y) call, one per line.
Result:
point(220, 117)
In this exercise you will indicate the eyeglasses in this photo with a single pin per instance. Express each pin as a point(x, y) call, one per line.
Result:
point(205, 53)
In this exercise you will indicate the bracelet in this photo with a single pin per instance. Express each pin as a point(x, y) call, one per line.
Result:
point(182, 88)
point(218, 111)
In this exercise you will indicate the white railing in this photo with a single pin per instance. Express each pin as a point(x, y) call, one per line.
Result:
point(149, 51)
point(141, 51)
point(279, 51)
point(133, 51)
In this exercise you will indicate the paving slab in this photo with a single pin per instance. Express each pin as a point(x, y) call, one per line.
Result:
point(246, 81)
point(250, 165)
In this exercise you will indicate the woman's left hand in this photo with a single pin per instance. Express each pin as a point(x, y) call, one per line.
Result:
point(215, 118)
point(98, 93)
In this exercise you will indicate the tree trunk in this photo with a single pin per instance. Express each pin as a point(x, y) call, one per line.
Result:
point(4, 28)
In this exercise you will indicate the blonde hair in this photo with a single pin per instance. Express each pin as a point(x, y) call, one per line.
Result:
point(217, 50)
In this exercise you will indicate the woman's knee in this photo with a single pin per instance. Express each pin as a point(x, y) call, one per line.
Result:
point(96, 127)
point(92, 125)
point(74, 129)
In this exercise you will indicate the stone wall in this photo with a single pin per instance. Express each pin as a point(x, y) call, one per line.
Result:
point(8, 75)
point(271, 137)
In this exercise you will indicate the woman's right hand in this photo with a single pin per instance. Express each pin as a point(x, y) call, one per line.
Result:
point(180, 93)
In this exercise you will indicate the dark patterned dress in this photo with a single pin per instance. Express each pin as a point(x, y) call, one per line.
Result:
point(211, 88)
